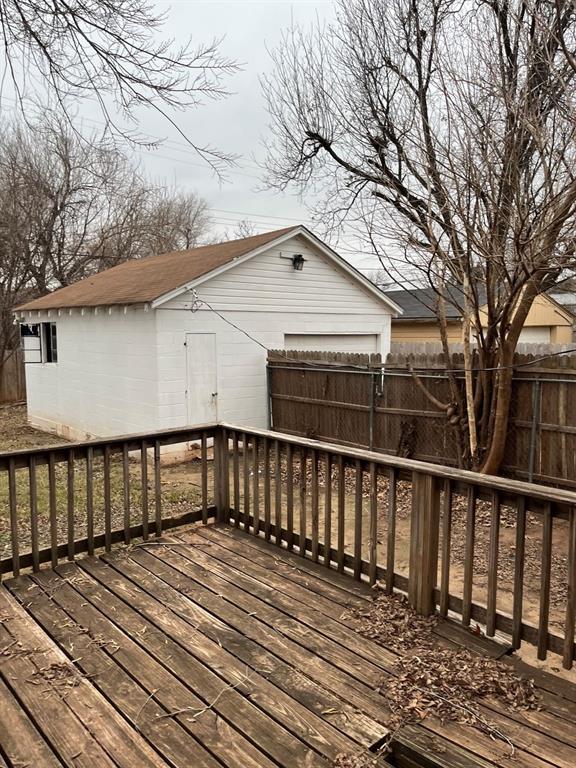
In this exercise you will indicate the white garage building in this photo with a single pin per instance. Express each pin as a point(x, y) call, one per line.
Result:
point(181, 338)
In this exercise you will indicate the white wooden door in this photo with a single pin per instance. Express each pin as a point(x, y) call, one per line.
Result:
point(201, 380)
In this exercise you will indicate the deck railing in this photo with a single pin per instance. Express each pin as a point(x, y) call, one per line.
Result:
point(485, 550)
point(61, 501)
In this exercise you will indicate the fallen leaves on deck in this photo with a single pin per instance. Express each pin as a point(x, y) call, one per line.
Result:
point(389, 620)
point(450, 684)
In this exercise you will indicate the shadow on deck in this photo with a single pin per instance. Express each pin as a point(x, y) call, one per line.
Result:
point(215, 648)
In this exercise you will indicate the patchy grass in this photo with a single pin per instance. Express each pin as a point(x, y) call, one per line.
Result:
point(181, 488)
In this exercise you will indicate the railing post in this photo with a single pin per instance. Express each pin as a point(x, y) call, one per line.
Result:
point(424, 535)
point(221, 500)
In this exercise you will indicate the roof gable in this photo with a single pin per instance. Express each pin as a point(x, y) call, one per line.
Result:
point(332, 256)
point(157, 279)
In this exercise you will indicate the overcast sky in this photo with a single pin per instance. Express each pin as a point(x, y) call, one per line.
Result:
point(238, 123)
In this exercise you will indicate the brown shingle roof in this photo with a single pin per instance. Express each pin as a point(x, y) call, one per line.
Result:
point(143, 280)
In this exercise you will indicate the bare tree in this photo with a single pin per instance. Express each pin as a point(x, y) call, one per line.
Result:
point(72, 207)
point(153, 221)
point(244, 228)
point(449, 129)
point(108, 50)
point(381, 278)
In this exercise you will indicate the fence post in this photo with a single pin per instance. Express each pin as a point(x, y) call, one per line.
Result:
point(371, 414)
point(536, 386)
point(221, 495)
point(268, 395)
point(424, 536)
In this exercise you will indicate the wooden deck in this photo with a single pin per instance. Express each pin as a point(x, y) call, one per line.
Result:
point(218, 649)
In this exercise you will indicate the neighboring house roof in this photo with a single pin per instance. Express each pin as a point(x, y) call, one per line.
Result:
point(421, 303)
point(566, 299)
point(156, 279)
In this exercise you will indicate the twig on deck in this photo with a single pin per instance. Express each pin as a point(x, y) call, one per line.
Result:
point(154, 692)
point(199, 712)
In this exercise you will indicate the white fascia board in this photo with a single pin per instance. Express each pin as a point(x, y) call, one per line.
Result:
point(313, 240)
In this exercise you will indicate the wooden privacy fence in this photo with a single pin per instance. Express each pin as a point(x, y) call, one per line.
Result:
point(412, 527)
point(13, 379)
point(356, 400)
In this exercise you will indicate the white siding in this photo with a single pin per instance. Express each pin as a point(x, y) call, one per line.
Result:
point(124, 373)
point(104, 382)
point(268, 283)
point(268, 299)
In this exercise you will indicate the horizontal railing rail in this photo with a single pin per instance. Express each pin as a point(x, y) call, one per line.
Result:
point(63, 500)
point(490, 550)
point(437, 534)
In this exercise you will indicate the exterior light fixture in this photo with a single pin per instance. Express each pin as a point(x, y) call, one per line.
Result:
point(298, 262)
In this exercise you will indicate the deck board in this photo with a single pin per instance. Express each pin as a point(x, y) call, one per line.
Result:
point(215, 648)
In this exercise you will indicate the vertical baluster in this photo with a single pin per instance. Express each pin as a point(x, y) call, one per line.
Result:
point(33, 513)
point(157, 488)
point(391, 537)
point(226, 474)
point(519, 552)
point(90, 500)
point(278, 491)
point(545, 575)
point(246, 477)
point(108, 501)
point(303, 492)
point(204, 481)
point(267, 499)
point(446, 546)
point(52, 508)
point(568, 656)
point(144, 482)
point(126, 487)
point(358, 521)
point(314, 505)
point(256, 485)
point(493, 565)
point(327, 508)
point(236, 470)
point(290, 496)
point(373, 523)
point(469, 557)
point(13, 505)
point(70, 504)
point(341, 512)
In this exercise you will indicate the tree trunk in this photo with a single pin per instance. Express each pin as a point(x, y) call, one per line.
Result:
point(495, 453)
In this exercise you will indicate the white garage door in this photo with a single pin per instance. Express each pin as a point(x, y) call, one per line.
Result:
point(536, 334)
point(332, 342)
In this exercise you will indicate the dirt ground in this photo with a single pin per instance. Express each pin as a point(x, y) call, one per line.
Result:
point(181, 491)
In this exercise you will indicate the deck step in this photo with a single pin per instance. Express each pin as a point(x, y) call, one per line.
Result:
point(414, 747)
